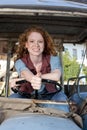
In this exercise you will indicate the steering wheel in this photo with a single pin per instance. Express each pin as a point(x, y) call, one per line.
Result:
point(57, 85)
point(44, 81)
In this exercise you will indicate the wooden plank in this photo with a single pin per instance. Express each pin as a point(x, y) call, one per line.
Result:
point(31, 101)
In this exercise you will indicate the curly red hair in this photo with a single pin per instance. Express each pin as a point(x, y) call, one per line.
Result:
point(49, 48)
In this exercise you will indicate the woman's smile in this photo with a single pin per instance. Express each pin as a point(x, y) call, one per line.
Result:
point(35, 44)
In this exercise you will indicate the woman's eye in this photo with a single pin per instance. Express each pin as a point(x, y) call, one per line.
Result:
point(40, 41)
point(32, 41)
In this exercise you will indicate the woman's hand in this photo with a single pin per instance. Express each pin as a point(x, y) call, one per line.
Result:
point(36, 82)
point(12, 82)
point(36, 79)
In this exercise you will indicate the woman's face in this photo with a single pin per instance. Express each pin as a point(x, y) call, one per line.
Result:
point(35, 44)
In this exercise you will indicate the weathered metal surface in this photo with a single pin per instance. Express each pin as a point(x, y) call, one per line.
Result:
point(38, 122)
point(26, 114)
point(66, 20)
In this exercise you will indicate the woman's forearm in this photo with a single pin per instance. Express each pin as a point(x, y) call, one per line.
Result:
point(55, 75)
point(27, 75)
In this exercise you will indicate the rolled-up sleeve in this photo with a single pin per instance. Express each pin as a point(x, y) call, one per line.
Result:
point(55, 63)
point(20, 66)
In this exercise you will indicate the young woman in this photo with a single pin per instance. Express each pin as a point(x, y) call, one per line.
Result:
point(36, 60)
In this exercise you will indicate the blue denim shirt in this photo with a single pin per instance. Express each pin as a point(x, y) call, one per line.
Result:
point(54, 62)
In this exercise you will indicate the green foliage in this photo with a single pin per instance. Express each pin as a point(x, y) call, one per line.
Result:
point(85, 70)
point(71, 67)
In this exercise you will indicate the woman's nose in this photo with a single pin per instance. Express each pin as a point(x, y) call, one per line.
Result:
point(36, 43)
